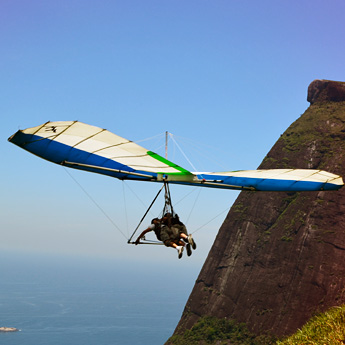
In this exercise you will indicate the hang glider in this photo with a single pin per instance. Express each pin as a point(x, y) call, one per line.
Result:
point(81, 146)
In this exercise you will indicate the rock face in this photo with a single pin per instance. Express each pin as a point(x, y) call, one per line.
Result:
point(326, 91)
point(279, 257)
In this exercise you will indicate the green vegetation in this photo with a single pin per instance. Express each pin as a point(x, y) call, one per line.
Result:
point(324, 329)
point(317, 133)
point(211, 330)
point(327, 328)
point(286, 239)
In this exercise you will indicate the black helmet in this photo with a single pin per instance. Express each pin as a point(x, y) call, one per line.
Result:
point(154, 220)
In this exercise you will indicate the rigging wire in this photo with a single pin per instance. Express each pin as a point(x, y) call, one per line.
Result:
point(184, 155)
point(200, 149)
point(125, 206)
point(187, 195)
point(94, 201)
point(150, 138)
point(211, 220)
point(136, 195)
point(157, 144)
point(124, 196)
point(195, 201)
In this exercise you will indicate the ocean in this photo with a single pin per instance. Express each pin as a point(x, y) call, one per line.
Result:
point(69, 301)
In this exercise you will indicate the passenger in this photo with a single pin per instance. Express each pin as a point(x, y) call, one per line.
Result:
point(180, 231)
point(172, 232)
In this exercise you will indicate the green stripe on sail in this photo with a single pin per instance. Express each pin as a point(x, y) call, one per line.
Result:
point(170, 164)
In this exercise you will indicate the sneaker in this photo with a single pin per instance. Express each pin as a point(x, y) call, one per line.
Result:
point(191, 241)
point(189, 250)
point(180, 252)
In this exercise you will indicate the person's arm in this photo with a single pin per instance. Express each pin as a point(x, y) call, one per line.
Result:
point(142, 235)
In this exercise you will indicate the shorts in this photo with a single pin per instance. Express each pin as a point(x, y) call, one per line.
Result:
point(169, 235)
point(181, 228)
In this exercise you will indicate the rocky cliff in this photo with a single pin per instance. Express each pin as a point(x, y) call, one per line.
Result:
point(279, 257)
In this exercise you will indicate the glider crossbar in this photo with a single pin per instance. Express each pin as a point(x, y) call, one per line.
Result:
point(107, 169)
point(155, 243)
point(217, 183)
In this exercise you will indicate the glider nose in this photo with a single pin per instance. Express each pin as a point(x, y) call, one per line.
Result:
point(17, 138)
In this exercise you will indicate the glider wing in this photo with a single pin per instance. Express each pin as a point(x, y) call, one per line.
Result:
point(78, 145)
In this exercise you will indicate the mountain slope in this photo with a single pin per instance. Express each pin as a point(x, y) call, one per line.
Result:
point(279, 257)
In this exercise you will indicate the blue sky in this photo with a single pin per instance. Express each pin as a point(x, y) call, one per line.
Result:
point(225, 77)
